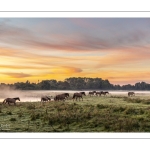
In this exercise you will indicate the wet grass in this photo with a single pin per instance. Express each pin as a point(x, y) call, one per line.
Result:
point(93, 114)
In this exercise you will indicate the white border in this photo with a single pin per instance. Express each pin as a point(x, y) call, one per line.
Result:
point(72, 135)
point(75, 14)
point(74, 5)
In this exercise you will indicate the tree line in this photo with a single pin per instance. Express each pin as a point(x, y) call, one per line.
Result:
point(75, 83)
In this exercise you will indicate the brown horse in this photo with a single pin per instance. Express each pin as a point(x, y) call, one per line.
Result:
point(45, 98)
point(60, 97)
point(83, 93)
point(103, 93)
point(92, 93)
point(66, 95)
point(76, 96)
point(131, 94)
point(98, 93)
point(11, 100)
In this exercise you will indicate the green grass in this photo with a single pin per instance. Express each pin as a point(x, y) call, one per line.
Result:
point(93, 114)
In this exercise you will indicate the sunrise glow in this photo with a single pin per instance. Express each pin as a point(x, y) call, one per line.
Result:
point(117, 49)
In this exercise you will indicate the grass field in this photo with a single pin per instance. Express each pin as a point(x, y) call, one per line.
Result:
point(114, 113)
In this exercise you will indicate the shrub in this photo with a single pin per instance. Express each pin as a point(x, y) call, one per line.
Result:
point(20, 114)
point(13, 119)
point(31, 106)
point(9, 113)
point(130, 111)
point(100, 106)
point(35, 116)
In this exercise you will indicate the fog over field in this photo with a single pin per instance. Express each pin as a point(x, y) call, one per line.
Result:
point(35, 95)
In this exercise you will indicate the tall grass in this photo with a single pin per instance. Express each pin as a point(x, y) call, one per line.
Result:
point(93, 114)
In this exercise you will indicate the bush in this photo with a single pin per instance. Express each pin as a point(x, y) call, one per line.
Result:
point(100, 106)
point(9, 113)
point(130, 111)
point(13, 119)
point(35, 116)
point(31, 107)
point(20, 114)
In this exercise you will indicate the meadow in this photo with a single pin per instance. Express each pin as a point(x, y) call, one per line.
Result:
point(112, 113)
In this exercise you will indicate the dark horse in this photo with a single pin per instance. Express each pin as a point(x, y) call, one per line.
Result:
point(66, 95)
point(103, 93)
point(45, 98)
point(78, 95)
point(92, 93)
point(131, 93)
point(11, 100)
point(60, 97)
point(98, 93)
point(83, 93)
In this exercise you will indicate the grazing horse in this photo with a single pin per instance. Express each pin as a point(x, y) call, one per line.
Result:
point(98, 93)
point(66, 95)
point(92, 93)
point(131, 93)
point(83, 93)
point(11, 100)
point(60, 97)
point(103, 93)
point(77, 95)
point(45, 98)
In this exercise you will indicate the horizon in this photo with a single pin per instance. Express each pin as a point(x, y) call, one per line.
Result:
point(74, 77)
point(35, 49)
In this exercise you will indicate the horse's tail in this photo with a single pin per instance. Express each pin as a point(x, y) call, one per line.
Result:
point(73, 96)
point(4, 101)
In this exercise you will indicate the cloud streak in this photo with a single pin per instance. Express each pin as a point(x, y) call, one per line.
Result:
point(17, 75)
point(83, 41)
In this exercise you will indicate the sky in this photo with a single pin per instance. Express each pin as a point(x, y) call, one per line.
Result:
point(36, 49)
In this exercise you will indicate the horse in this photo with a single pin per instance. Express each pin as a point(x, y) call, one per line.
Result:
point(92, 93)
point(11, 100)
point(103, 93)
point(77, 95)
point(83, 93)
point(98, 93)
point(45, 98)
point(131, 94)
point(60, 97)
point(66, 95)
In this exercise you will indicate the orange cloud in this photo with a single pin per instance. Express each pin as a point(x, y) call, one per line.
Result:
point(66, 70)
point(17, 75)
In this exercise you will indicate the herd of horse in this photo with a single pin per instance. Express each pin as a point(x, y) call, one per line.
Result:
point(64, 96)
point(98, 93)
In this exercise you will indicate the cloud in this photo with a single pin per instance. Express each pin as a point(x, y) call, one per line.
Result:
point(66, 70)
point(98, 40)
point(17, 75)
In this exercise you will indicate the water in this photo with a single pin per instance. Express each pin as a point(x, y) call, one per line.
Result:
point(35, 95)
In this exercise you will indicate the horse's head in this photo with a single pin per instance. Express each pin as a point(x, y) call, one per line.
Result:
point(84, 93)
point(17, 98)
point(48, 97)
